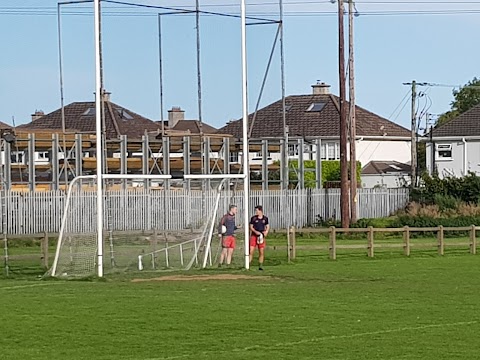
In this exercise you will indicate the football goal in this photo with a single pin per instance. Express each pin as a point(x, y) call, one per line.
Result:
point(150, 222)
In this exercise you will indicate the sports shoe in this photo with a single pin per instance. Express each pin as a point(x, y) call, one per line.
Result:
point(260, 268)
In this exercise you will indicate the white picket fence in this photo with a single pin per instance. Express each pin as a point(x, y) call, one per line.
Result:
point(148, 209)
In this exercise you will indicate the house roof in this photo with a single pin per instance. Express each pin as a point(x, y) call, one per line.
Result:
point(4, 126)
point(193, 126)
point(80, 117)
point(466, 124)
point(325, 122)
point(386, 167)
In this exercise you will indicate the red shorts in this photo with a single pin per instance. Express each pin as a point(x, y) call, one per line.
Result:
point(228, 242)
point(253, 242)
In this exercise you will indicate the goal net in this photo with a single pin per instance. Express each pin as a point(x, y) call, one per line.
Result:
point(149, 223)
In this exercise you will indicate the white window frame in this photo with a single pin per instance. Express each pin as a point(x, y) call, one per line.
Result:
point(443, 148)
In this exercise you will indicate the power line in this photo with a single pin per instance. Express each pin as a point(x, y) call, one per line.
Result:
point(23, 12)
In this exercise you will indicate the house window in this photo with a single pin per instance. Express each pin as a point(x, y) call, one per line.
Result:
point(444, 151)
point(16, 157)
point(43, 155)
point(89, 112)
point(292, 150)
point(330, 151)
point(316, 107)
point(233, 158)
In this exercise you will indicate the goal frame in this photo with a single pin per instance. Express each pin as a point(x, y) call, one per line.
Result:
point(98, 129)
point(100, 234)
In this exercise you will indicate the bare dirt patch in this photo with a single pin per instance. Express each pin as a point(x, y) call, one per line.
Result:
point(204, 277)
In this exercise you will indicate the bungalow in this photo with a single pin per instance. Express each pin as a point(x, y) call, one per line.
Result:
point(316, 118)
point(453, 149)
point(385, 174)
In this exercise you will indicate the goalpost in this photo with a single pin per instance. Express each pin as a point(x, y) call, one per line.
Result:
point(146, 228)
point(99, 148)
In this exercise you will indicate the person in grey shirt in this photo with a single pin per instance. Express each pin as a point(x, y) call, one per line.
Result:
point(226, 231)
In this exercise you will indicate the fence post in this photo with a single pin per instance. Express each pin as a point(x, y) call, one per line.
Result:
point(370, 251)
point(406, 241)
point(473, 240)
point(154, 246)
point(289, 249)
point(333, 243)
point(294, 243)
point(441, 243)
point(45, 249)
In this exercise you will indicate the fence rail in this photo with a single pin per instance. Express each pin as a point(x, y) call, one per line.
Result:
point(147, 209)
point(370, 245)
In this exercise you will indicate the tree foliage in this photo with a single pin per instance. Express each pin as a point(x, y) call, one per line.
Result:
point(330, 172)
point(465, 98)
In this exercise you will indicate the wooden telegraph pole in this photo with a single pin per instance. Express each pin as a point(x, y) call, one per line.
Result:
point(344, 193)
point(352, 120)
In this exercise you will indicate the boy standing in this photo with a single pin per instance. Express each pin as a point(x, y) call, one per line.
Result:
point(259, 228)
point(228, 235)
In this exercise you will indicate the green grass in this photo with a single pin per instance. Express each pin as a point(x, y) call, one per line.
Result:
point(389, 307)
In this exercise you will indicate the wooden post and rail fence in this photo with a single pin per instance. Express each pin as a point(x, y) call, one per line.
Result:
point(370, 245)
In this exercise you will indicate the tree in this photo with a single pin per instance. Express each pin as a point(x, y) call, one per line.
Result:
point(465, 98)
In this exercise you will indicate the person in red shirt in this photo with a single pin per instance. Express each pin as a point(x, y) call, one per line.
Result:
point(259, 228)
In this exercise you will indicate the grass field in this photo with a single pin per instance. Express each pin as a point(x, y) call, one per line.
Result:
point(390, 307)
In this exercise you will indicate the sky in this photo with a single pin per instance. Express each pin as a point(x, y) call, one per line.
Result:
point(395, 42)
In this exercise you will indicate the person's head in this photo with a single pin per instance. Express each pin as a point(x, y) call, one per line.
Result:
point(259, 210)
point(232, 209)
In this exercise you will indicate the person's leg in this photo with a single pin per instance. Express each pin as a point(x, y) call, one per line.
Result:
point(261, 256)
point(222, 256)
point(253, 245)
point(252, 251)
point(229, 255)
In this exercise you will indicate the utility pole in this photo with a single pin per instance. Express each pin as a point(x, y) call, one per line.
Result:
point(344, 193)
point(352, 115)
point(413, 144)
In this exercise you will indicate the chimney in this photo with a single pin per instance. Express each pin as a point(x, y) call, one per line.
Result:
point(320, 88)
point(37, 115)
point(106, 95)
point(174, 116)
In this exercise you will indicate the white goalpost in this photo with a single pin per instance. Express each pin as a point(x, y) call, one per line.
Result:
point(146, 228)
point(99, 258)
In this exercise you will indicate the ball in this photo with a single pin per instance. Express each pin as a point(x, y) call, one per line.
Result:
point(260, 239)
point(224, 229)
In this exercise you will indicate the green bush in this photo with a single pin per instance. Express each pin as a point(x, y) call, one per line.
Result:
point(465, 189)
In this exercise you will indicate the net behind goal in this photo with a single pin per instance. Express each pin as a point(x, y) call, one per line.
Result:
point(147, 225)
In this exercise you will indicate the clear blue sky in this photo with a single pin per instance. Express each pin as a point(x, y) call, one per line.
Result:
point(391, 48)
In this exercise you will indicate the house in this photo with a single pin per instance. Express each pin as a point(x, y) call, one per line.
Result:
point(80, 118)
point(4, 126)
point(385, 174)
point(453, 149)
point(177, 122)
point(4, 132)
point(317, 117)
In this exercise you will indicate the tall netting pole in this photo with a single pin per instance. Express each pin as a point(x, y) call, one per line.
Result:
point(246, 179)
point(99, 153)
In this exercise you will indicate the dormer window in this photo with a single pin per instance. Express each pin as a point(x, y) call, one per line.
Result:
point(316, 107)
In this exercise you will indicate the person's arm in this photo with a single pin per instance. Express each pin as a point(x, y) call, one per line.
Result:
point(222, 222)
point(252, 229)
point(267, 227)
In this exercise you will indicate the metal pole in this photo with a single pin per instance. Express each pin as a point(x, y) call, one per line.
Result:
point(246, 180)
point(353, 130)
point(99, 153)
point(160, 66)
point(344, 198)
point(62, 97)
